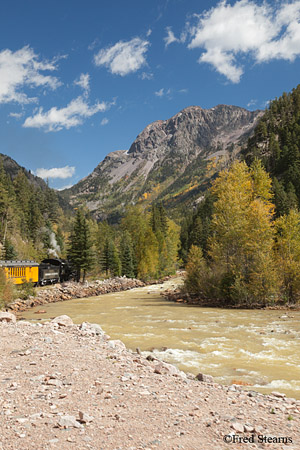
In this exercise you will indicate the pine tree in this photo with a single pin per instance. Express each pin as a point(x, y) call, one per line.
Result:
point(80, 246)
point(9, 250)
point(127, 262)
point(4, 203)
point(110, 260)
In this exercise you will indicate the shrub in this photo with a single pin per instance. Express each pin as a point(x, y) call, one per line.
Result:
point(7, 290)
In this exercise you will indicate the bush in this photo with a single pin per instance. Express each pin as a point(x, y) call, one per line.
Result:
point(26, 290)
point(196, 272)
point(7, 290)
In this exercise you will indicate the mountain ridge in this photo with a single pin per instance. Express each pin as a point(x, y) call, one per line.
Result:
point(172, 152)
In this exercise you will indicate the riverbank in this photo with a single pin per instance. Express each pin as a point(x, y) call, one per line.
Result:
point(71, 387)
point(179, 296)
point(70, 290)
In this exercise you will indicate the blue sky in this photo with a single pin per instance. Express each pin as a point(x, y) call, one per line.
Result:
point(79, 79)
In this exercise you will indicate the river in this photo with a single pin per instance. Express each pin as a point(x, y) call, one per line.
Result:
point(260, 348)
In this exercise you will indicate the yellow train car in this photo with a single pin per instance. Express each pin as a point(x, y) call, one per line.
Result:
point(20, 272)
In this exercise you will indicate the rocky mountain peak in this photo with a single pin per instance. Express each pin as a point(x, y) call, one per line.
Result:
point(166, 159)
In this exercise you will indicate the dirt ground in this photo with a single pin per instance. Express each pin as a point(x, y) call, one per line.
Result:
point(71, 387)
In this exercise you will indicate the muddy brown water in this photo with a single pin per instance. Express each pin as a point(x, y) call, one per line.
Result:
point(260, 348)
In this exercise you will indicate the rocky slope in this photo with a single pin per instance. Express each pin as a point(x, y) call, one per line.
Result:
point(168, 160)
point(66, 387)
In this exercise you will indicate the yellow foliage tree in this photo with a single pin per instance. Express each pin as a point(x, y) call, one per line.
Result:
point(288, 254)
point(241, 246)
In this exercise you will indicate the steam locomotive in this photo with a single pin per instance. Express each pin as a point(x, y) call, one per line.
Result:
point(49, 271)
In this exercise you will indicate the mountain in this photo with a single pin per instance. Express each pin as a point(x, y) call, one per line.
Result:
point(170, 160)
point(12, 168)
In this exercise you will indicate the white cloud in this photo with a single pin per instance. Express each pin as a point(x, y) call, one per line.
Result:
point(72, 115)
point(16, 115)
point(146, 76)
point(170, 38)
point(159, 93)
point(84, 82)
point(163, 92)
point(56, 172)
point(123, 57)
point(252, 102)
point(21, 69)
point(68, 186)
point(264, 31)
point(104, 121)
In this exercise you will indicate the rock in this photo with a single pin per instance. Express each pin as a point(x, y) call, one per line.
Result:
point(68, 422)
point(278, 394)
point(116, 345)
point(7, 317)
point(204, 378)
point(85, 418)
point(158, 369)
point(238, 427)
point(54, 382)
point(92, 328)
point(63, 321)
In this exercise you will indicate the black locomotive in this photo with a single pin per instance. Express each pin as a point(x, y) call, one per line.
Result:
point(52, 270)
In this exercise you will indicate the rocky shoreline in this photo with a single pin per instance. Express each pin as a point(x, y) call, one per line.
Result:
point(66, 386)
point(71, 290)
point(178, 296)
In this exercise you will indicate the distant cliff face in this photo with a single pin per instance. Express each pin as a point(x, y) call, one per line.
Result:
point(168, 160)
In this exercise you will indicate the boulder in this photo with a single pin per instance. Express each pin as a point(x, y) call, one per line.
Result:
point(68, 422)
point(63, 321)
point(91, 328)
point(7, 317)
point(204, 378)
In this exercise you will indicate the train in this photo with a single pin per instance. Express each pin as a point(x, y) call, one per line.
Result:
point(49, 271)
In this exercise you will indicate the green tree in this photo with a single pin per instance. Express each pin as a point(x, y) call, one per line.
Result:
point(145, 245)
point(114, 260)
point(288, 254)
point(80, 246)
point(9, 250)
point(110, 260)
point(196, 278)
point(127, 258)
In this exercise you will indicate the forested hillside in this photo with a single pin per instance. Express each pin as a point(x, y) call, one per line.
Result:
point(276, 142)
point(31, 219)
